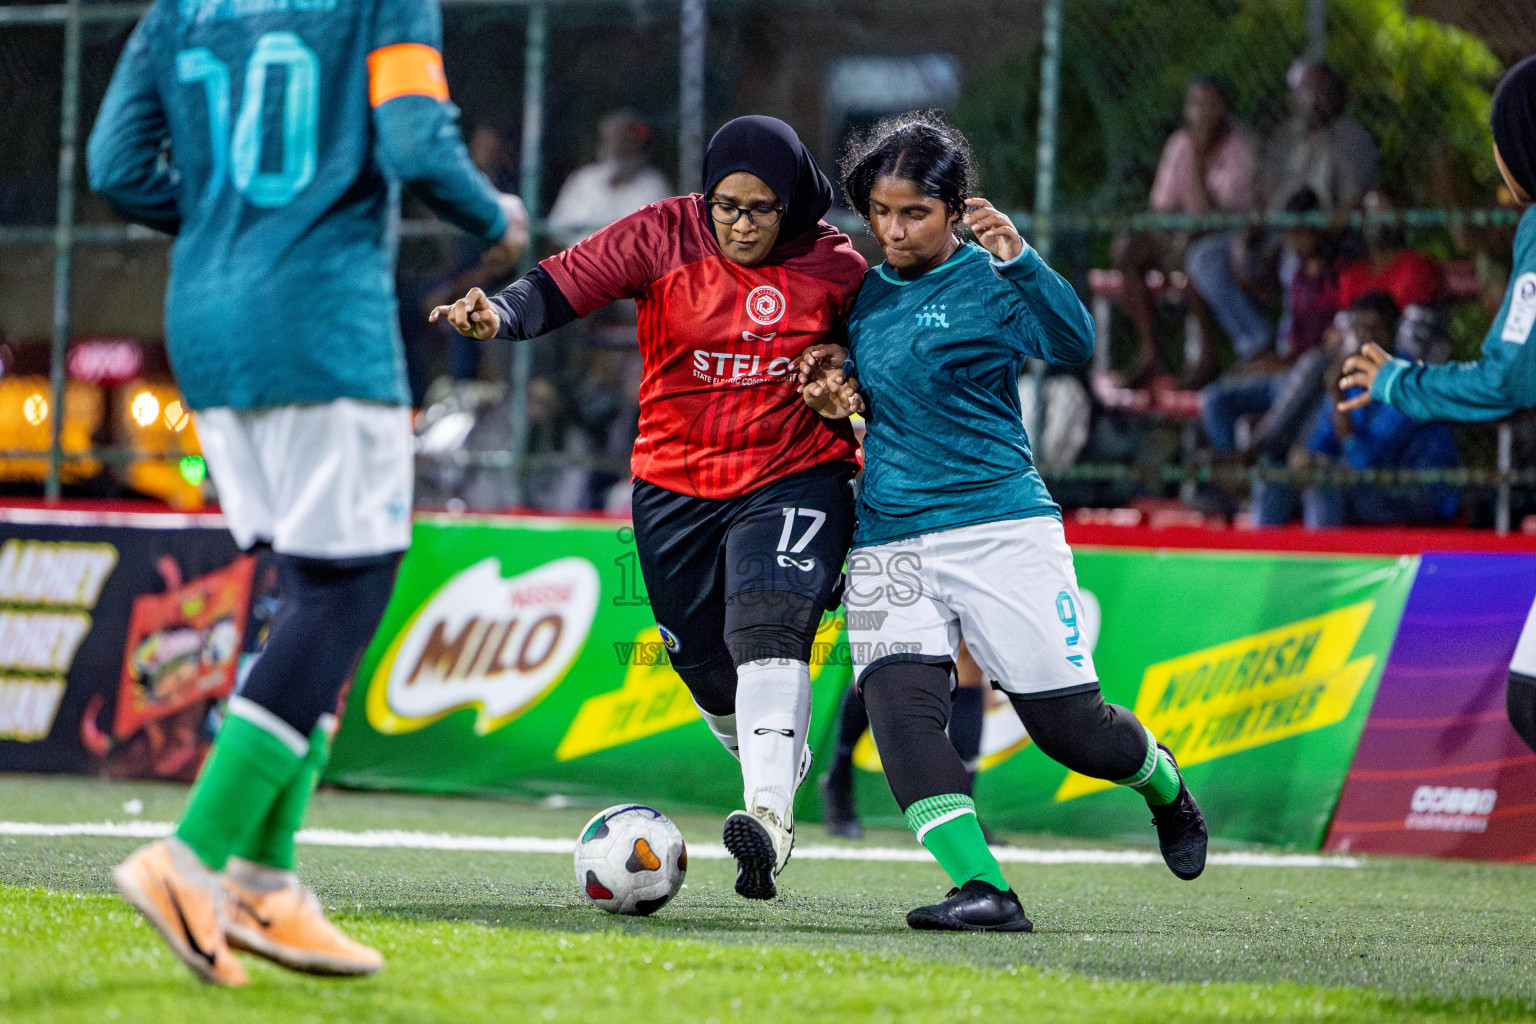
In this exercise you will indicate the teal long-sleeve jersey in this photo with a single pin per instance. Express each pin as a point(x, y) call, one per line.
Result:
point(938, 360)
point(272, 137)
point(1502, 382)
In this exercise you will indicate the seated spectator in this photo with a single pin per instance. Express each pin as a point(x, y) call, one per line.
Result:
point(1303, 385)
point(1309, 274)
point(620, 181)
point(1312, 300)
point(1207, 166)
point(1389, 265)
point(1321, 148)
point(1374, 437)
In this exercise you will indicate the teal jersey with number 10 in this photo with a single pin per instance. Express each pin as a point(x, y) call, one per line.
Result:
point(271, 137)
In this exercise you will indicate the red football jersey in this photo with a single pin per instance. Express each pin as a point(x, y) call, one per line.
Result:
point(719, 414)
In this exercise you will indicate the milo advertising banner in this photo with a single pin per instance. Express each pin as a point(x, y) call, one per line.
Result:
point(1257, 670)
point(520, 657)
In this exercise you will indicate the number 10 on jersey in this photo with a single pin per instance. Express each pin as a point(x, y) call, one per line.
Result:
point(238, 154)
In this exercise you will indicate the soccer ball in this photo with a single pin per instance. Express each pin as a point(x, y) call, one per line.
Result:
point(630, 859)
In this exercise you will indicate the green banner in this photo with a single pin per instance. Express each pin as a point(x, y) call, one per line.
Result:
point(1257, 670)
point(520, 657)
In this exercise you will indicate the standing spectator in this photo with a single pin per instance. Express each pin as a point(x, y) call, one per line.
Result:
point(1207, 166)
point(1319, 147)
point(492, 153)
point(620, 181)
point(1309, 273)
point(602, 380)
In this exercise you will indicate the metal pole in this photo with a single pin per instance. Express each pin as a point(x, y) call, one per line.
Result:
point(1045, 178)
point(1317, 29)
point(1506, 463)
point(1045, 146)
point(690, 94)
point(535, 55)
point(63, 246)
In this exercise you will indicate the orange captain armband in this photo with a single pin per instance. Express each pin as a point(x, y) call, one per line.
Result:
point(405, 69)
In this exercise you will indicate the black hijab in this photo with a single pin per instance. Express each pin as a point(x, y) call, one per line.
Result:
point(1514, 123)
point(770, 149)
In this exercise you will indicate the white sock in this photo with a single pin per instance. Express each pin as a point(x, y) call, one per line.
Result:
point(724, 728)
point(259, 876)
point(192, 868)
point(773, 705)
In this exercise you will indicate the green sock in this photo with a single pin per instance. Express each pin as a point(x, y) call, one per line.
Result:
point(1158, 780)
point(254, 758)
point(946, 825)
point(270, 843)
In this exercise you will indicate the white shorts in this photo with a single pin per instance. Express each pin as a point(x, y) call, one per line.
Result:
point(1524, 661)
point(318, 481)
point(1008, 588)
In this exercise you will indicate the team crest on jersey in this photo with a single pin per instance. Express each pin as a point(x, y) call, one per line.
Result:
point(765, 305)
point(669, 639)
point(1521, 317)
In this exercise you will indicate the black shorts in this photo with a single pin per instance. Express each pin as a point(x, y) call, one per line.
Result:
point(696, 553)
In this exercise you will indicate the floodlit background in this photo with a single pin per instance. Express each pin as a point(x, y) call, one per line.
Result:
point(1068, 105)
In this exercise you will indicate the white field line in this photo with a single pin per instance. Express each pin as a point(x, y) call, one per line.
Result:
point(400, 840)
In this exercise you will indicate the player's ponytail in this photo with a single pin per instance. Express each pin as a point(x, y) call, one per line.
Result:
point(920, 147)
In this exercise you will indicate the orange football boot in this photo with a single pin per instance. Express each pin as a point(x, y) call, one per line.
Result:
point(288, 927)
point(184, 911)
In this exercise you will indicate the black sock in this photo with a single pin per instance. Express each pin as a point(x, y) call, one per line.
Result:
point(853, 719)
point(965, 721)
point(1520, 701)
point(1080, 731)
point(908, 705)
point(326, 616)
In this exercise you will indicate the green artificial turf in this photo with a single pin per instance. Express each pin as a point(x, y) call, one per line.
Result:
point(495, 937)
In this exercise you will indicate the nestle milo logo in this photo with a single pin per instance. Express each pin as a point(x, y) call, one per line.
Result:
point(483, 641)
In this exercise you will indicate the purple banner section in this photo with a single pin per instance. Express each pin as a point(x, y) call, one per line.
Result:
point(1439, 772)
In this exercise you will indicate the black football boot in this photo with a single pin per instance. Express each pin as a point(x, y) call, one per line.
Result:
point(976, 906)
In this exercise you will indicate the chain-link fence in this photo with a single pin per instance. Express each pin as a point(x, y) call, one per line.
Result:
point(1068, 103)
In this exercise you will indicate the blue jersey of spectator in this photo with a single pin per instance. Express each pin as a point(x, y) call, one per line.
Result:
point(1381, 437)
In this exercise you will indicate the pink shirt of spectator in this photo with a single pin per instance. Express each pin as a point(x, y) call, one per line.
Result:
point(1231, 178)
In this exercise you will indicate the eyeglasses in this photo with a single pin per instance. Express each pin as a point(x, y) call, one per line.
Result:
point(730, 213)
